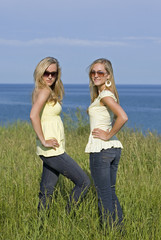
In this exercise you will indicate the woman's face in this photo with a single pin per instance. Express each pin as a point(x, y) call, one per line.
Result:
point(99, 75)
point(50, 74)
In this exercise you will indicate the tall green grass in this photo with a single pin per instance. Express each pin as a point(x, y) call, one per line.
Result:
point(138, 187)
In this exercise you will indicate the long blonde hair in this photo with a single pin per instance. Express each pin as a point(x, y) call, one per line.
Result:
point(57, 89)
point(93, 89)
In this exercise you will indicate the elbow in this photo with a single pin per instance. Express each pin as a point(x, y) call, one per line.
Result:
point(31, 117)
point(125, 118)
point(34, 117)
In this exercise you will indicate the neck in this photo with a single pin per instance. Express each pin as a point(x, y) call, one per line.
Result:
point(101, 88)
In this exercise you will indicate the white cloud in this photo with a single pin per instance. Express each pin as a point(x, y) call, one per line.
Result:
point(61, 41)
point(77, 42)
point(154, 39)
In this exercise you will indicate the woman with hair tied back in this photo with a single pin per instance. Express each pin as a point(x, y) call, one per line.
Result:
point(106, 118)
point(48, 126)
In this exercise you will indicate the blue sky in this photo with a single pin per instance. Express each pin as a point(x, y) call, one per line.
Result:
point(126, 32)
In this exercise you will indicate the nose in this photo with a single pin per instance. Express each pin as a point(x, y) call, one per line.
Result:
point(50, 76)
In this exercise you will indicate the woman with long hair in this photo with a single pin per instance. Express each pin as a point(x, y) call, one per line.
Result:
point(48, 126)
point(106, 119)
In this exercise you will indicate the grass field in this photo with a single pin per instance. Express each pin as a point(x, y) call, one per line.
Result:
point(138, 188)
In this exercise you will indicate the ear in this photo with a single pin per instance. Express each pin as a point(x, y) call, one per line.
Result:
point(108, 76)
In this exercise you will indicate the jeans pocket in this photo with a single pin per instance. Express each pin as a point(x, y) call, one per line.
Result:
point(108, 155)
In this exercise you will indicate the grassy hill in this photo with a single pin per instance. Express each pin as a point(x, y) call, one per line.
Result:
point(138, 188)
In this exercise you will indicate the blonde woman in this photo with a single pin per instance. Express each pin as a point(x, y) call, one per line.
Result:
point(48, 126)
point(106, 118)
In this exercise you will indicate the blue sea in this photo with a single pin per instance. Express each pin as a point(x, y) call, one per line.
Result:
point(142, 103)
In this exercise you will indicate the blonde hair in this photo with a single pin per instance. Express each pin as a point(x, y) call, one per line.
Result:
point(93, 89)
point(57, 89)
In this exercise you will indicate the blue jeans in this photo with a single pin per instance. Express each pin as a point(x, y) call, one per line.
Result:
point(65, 165)
point(104, 167)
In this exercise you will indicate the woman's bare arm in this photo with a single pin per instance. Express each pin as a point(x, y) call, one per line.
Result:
point(121, 119)
point(40, 100)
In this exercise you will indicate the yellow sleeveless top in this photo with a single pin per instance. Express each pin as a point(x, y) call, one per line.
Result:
point(101, 117)
point(52, 127)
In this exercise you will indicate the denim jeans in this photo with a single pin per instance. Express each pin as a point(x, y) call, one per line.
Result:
point(65, 165)
point(104, 166)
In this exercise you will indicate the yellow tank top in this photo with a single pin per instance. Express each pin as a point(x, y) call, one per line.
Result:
point(52, 127)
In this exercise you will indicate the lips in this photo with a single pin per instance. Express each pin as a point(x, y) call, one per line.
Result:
point(49, 82)
point(96, 80)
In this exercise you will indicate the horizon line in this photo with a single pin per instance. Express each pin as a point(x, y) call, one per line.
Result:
point(85, 84)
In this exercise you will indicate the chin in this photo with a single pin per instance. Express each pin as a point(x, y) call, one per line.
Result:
point(49, 84)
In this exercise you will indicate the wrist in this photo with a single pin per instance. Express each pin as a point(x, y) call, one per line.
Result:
point(43, 142)
point(107, 136)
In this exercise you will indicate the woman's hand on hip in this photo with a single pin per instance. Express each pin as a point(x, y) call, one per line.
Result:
point(101, 134)
point(51, 143)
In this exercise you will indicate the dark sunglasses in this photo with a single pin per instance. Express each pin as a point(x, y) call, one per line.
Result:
point(47, 74)
point(99, 73)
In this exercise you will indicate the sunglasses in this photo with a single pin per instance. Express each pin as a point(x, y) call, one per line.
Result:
point(47, 74)
point(99, 73)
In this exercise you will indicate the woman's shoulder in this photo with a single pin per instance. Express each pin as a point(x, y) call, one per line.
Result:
point(41, 93)
point(44, 90)
point(107, 93)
